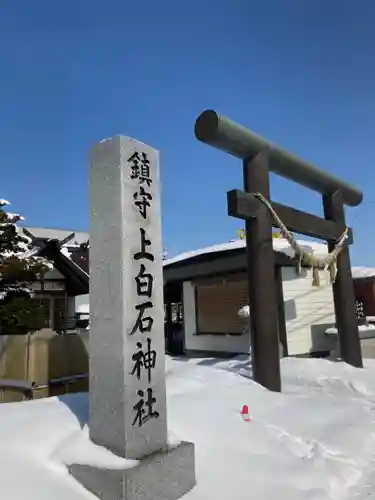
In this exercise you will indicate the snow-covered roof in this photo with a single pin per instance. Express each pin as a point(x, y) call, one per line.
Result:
point(58, 234)
point(279, 245)
point(363, 272)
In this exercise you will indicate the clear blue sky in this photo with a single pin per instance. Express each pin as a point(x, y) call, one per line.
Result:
point(73, 72)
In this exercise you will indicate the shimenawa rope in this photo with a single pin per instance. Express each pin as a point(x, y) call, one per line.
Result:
point(304, 258)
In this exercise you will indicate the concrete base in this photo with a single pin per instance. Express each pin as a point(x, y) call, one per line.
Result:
point(368, 348)
point(162, 476)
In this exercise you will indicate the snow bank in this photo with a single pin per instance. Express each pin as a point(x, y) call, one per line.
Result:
point(364, 331)
point(314, 441)
point(83, 309)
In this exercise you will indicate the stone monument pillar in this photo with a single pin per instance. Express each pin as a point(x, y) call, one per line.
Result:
point(128, 414)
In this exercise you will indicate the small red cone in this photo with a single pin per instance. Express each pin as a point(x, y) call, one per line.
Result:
point(245, 413)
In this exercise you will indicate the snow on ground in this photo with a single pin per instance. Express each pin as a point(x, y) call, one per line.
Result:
point(314, 441)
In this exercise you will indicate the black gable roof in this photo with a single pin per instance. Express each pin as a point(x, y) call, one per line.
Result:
point(77, 278)
point(80, 256)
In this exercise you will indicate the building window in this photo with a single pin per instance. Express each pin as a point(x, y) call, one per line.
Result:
point(217, 304)
point(54, 311)
point(177, 313)
point(44, 303)
point(59, 314)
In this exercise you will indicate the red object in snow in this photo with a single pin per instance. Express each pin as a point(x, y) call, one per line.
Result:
point(245, 413)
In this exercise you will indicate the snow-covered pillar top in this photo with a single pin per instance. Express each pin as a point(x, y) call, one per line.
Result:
point(244, 312)
point(127, 361)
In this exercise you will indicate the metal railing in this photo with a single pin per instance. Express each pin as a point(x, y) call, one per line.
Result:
point(61, 381)
point(23, 386)
point(70, 323)
point(28, 389)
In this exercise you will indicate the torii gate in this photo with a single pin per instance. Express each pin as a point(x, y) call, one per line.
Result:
point(254, 206)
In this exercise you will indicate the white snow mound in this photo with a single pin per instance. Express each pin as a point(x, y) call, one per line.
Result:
point(314, 441)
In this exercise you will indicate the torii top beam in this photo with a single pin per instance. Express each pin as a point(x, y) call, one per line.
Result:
point(226, 135)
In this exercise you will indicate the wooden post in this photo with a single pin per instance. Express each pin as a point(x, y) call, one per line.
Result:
point(261, 277)
point(343, 289)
